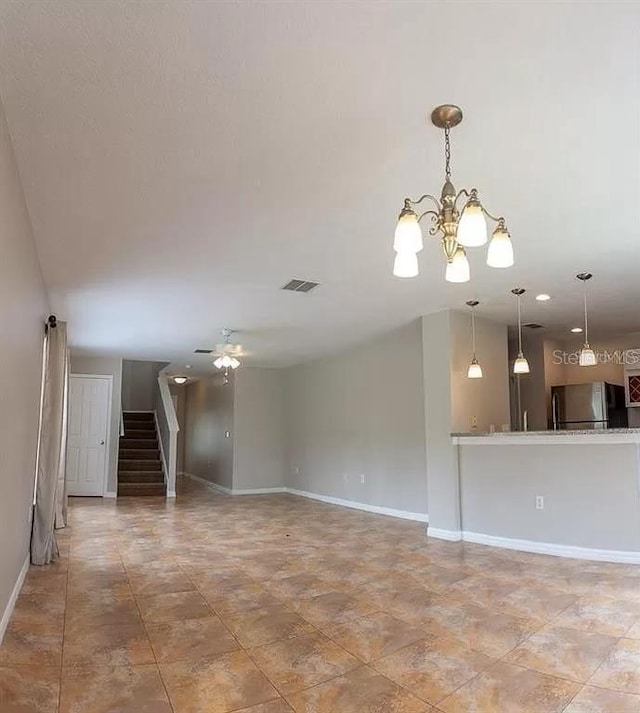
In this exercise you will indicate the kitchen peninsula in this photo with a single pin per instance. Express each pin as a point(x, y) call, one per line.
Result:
point(569, 493)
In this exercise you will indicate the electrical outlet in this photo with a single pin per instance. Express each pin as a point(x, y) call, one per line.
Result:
point(474, 422)
point(345, 477)
point(296, 470)
point(227, 434)
point(539, 502)
point(362, 478)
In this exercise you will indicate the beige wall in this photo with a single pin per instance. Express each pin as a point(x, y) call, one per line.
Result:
point(484, 400)
point(259, 430)
point(603, 371)
point(208, 414)
point(109, 366)
point(361, 413)
point(139, 384)
point(25, 306)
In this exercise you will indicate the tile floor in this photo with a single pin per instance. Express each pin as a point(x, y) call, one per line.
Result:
point(274, 604)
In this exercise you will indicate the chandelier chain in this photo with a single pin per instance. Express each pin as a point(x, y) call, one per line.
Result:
point(447, 153)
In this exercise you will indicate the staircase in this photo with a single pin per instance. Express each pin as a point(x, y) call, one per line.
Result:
point(139, 464)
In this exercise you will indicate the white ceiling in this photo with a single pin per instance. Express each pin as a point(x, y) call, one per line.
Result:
point(183, 160)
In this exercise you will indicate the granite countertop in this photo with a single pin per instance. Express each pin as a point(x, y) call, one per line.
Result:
point(577, 432)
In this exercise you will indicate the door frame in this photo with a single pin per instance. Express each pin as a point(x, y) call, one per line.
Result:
point(107, 460)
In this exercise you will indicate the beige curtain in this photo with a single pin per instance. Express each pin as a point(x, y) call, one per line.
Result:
point(50, 507)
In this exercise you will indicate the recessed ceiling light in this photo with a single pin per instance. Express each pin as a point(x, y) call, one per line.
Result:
point(180, 379)
point(543, 297)
point(187, 366)
point(576, 330)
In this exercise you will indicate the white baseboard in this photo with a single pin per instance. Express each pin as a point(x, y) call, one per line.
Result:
point(208, 483)
point(258, 491)
point(549, 548)
point(8, 610)
point(450, 535)
point(110, 494)
point(379, 510)
point(171, 493)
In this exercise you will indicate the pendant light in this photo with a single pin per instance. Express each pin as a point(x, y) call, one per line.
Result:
point(458, 267)
point(587, 356)
point(520, 365)
point(475, 370)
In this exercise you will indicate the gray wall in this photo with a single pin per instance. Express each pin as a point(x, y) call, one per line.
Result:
point(442, 467)
point(259, 432)
point(24, 302)
point(361, 412)
point(112, 366)
point(208, 414)
point(590, 492)
point(180, 392)
point(139, 384)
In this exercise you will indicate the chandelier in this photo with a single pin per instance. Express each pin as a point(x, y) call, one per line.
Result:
point(459, 229)
point(227, 354)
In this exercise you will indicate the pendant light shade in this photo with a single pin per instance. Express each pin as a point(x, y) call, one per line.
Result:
point(475, 370)
point(520, 365)
point(472, 228)
point(458, 268)
point(500, 253)
point(405, 264)
point(408, 235)
point(587, 356)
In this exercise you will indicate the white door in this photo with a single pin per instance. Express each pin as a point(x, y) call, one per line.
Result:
point(87, 448)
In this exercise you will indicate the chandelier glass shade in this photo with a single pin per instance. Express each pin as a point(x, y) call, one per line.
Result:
point(587, 356)
point(459, 224)
point(520, 365)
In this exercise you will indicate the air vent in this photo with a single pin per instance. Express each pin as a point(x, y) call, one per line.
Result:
point(203, 351)
point(300, 285)
point(533, 325)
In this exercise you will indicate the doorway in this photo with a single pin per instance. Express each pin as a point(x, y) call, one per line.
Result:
point(89, 434)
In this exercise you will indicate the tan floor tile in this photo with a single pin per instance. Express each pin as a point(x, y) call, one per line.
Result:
point(599, 700)
point(242, 598)
point(136, 689)
point(361, 691)
point(620, 671)
point(504, 688)
point(305, 661)
point(190, 640)
point(160, 582)
point(334, 608)
point(29, 689)
point(543, 603)
point(433, 668)
point(278, 706)
point(493, 633)
point(262, 626)
point(560, 651)
point(228, 683)
point(113, 645)
point(26, 643)
point(374, 636)
point(604, 615)
point(173, 606)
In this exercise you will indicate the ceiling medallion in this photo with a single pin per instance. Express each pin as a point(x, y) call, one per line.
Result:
point(459, 229)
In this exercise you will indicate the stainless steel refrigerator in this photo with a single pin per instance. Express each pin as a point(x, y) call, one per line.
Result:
point(598, 405)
